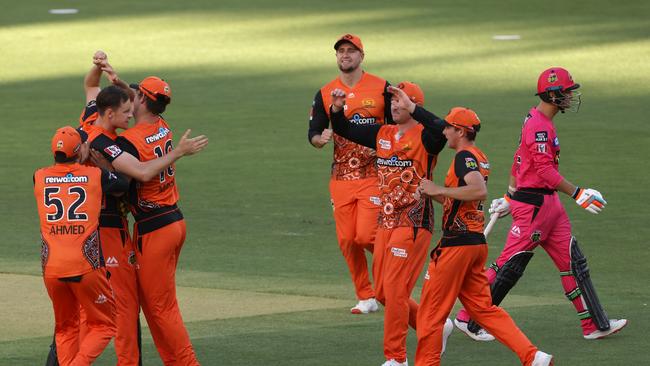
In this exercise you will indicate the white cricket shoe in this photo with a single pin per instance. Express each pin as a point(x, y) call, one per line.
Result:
point(482, 335)
point(614, 326)
point(365, 306)
point(446, 332)
point(542, 359)
point(392, 362)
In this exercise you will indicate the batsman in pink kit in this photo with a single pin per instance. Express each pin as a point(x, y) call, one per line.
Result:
point(538, 217)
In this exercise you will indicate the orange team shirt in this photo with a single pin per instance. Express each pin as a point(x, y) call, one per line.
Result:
point(403, 162)
point(148, 141)
point(89, 115)
point(367, 103)
point(68, 197)
point(463, 217)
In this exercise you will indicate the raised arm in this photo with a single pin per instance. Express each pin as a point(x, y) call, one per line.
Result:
point(365, 135)
point(91, 81)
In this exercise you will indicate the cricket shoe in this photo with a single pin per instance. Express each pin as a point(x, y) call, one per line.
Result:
point(392, 362)
point(446, 332)
point(614, 326)
point(481, 335)
point(542, 359)
point(365, 306)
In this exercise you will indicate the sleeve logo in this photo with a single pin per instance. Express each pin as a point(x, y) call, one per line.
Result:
point(541, 136)
point(113, 151)
point(470, 163)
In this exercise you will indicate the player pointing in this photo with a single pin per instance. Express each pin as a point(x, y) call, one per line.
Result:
point(539, 219)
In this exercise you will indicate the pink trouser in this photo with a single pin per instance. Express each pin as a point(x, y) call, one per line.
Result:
point(546, 224)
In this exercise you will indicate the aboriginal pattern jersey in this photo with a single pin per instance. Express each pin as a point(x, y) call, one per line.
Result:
point(464, 216)
point(148, 141)
point(365, 105)
point(403, 162)
point(68, 198)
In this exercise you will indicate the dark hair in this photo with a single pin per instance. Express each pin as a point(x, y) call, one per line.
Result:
point(60, 157)
point(110, 97)
point(471, 135)
point(157, 106)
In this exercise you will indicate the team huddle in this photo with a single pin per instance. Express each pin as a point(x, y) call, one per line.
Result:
point(97, 274)
point(386, 146)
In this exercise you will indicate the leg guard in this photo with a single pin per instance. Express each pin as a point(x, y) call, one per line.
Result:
point(507, 277)
point(581, 273)
point(52, 360)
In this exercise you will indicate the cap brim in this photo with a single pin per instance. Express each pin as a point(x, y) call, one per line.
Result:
point(341, 41)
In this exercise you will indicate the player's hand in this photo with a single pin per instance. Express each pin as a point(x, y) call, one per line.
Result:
point(191, 145)
point(99, 57)
point(403, 100)
point(84, 152)
point(100, 160)
point(589, 199)
point(428, 188)
point(500, 206)
point(338, 100)
point(325, 136)
point(110, 73)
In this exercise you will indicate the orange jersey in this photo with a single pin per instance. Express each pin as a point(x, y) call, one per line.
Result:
point(367, 103)
point(69, 199)
point(403, 162)
point(148, 141)
point(461, 217)
point(88, 116)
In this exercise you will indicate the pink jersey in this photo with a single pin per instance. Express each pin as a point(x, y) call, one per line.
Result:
point(537, 159)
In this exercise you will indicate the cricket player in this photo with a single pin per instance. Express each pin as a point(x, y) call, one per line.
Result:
point(538, 217)
point(353, 184)
point(159, 231)
point(456, 266)
point(69, 199)
point(406, 153)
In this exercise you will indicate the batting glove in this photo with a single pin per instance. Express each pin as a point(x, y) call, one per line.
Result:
point(589, 199)
point(500, 206)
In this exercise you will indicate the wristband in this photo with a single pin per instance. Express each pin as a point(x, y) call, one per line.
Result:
point(576, 193)
point(507, 197)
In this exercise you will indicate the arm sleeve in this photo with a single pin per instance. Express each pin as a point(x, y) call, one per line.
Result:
point(464, 163)
point(107, 147)
point(365, 135)
point(127, 146)
point(540, 149)
point(318, 120)
point(388, 115)
point(428, 120)
point(433, 141)
point(113, 182)
point(89, 110)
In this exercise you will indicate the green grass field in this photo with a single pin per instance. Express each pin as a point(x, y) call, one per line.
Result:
point(261, 277)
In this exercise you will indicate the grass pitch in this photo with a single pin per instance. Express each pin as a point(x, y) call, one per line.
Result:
point(261, 237)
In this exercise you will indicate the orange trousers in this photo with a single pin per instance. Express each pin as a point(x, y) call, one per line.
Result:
point(458, 272)
point(399, 256)
point(356, 209)
point(157, 256)
point(92, 292)
point(119, 256)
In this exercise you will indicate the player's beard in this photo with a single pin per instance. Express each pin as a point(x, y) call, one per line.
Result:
point(349, 69)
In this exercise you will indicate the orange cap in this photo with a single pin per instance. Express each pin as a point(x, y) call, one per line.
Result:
point(350, 38)
point(414, 92)
point(462, 117)
point(68, 141)
point(153, 86)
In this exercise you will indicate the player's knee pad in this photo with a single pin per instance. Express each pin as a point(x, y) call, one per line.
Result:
point(586, 288)
point(507, 276)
